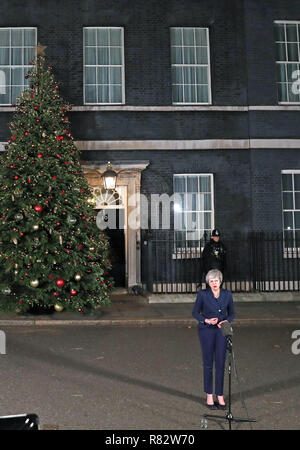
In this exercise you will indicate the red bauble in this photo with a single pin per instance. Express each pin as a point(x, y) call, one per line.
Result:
point(38, 208)
point(60, 282)
point(73, 292)
point(56, 294)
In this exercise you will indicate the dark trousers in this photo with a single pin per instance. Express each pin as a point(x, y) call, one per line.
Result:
point(213, 345)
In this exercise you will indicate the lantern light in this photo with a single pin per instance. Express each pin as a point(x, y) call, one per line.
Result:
point(109, 178)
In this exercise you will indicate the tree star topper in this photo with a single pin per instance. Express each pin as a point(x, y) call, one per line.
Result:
point(40, 50)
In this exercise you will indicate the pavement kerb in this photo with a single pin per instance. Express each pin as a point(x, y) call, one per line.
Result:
point(243, 297)
point(144, 322)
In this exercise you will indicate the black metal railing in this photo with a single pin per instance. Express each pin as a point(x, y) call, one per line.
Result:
point(256, 262)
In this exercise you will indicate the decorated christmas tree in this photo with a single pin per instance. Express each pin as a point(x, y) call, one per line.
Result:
point(51, 251)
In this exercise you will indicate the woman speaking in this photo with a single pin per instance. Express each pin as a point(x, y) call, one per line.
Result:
point(213, 306)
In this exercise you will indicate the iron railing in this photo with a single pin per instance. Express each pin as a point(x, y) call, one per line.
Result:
point(256, 262)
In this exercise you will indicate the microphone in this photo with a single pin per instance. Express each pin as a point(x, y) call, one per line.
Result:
point(226, 329)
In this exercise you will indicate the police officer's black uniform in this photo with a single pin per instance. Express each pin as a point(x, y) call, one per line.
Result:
point(214, 254)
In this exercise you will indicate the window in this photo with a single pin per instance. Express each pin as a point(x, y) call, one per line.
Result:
point(17, 49)
point(190, 66)
point(193, 207)
point(291, 206)
point(287, 36)
point(103, 65)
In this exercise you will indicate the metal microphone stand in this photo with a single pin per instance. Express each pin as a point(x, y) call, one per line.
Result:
point(229, 416)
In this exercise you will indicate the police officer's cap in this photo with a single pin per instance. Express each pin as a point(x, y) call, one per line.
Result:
point(216, 232)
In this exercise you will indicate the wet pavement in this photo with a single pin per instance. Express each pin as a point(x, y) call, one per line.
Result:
point(128, 310)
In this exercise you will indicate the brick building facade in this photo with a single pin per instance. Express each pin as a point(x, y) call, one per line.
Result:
point(244, 133)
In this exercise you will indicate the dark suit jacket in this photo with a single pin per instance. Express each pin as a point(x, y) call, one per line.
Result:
point(207, 306)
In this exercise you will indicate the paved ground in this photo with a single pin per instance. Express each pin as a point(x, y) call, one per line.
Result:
point(144, 378)
point(136, 311)
point(136, 366)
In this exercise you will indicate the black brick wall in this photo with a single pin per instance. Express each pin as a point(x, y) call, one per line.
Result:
point(266, 185)
point(260, 43)
point(159, 125)
point(231, 170)
point(147, 42)
point(247, 183)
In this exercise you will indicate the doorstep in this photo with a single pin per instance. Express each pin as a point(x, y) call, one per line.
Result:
point(237, 297)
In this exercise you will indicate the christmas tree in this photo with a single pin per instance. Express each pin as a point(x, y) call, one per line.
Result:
point(51, 251)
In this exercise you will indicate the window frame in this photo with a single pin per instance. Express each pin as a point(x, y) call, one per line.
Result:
point(208, 65)
point(122, 102)
point(290, 252)
point(194, 251)
point(23, 66)
point(286, 62)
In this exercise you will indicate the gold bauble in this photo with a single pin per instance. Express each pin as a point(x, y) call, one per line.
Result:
point(77, 277)
point(34, 283)
point(58, 307)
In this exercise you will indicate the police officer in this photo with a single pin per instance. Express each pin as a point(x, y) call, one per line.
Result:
point(214, 253)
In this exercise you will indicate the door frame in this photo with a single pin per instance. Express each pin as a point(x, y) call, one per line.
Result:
point(129, 175)
point(122, 190)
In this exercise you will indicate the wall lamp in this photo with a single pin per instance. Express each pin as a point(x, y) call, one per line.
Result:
point(109, 177)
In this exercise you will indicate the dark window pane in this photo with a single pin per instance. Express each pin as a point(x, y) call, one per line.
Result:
point(291, 33)
point(179, 184)
point(281, 52)
point(288, 200)
point(297, 200)
point(287, 182)
point(297, 181)
point(297, 219)
point(293, 54)
point(288, 220)
point(282, 92)
point(281, 72)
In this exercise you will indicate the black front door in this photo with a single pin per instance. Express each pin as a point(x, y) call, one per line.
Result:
point(116, 235)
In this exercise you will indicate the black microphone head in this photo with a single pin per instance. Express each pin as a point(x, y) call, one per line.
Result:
point(226, 329)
